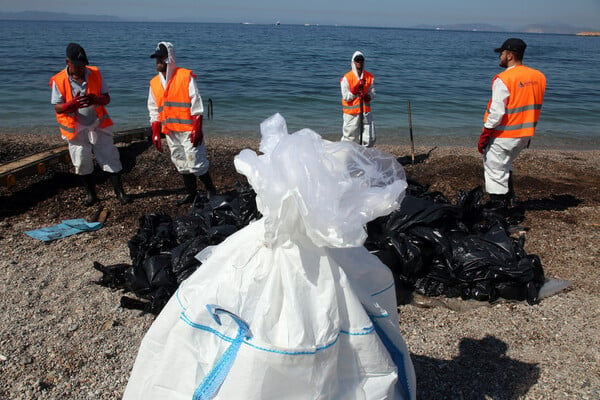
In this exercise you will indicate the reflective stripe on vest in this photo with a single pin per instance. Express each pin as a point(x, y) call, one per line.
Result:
point(353, 106)
point(174, 102)
point(67, 122)
point(526, 87)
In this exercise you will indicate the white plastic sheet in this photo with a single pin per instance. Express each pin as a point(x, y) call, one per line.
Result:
point(321, 309)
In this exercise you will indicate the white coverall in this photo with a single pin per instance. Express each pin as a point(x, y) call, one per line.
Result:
point(351, 125)
point(500, 153)
point(186, 158)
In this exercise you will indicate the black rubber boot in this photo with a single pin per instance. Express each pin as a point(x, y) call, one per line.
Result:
point(117, 184)
point(497, 202)
point(189, 181)
point(509, 200)
point(90, 188)
point(208, 184)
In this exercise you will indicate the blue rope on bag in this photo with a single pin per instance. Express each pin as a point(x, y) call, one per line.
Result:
point(397, 357)
point(211, 383)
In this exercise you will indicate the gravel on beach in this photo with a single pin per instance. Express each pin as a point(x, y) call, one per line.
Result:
point(62, 336)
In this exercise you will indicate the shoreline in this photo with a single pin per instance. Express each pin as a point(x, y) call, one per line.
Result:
point(566, 142)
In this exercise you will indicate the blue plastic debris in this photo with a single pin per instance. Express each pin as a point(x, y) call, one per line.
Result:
point(66, 228)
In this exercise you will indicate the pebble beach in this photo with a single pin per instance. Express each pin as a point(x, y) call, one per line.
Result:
point(62, 336)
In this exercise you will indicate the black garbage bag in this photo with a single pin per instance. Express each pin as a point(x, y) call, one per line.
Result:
point(214, 211)
point(416, 211)
point(527, 289)
point(155, 272)
point(234, 208)
point(113, 276)
point(150, 275)
point(154, 235)
point(411, 237)
point(404, 256)
point(421, 191)
point(247, 203)
point(153, 290)
point(471, 204)
point(154, 305)
point(183, 257)
point(188, 227)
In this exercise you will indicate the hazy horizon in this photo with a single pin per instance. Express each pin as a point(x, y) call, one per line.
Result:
point(509, 14)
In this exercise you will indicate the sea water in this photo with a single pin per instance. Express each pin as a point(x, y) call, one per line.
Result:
point(248, 72)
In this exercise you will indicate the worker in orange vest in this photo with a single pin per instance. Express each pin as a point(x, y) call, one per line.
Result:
point(176, 110)
point(79, 96)
point(510, 120)
point(357, 93)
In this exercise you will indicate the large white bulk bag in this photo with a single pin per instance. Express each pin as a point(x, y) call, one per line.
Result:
point(291, 306)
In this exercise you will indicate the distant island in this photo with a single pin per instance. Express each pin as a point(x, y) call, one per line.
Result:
point(588, 34)
point(52, 16)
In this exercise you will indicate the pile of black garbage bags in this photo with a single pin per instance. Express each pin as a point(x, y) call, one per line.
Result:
point(465, 250)
point(432, 246)
point(164, 248)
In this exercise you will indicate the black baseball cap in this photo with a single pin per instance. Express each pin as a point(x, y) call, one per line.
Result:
point(513, 44)
point(76, 54)
point(161, 52)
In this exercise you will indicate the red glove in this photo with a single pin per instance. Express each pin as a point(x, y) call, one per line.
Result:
point(196, 135)
point(100, 99)
point(156, 127)
point(74, 104)
point(358, 90)
point(484, 139)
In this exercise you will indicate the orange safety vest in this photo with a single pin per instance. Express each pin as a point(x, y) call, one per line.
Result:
point(353, 106)
point(526, 87)
point(174, 102)
point(67, 121)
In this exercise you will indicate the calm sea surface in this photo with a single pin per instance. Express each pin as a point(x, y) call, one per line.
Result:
point(250, 72)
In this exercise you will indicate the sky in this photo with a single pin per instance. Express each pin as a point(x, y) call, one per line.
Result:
point(384, 13)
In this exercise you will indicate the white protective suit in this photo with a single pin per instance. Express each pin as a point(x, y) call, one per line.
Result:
point(291, 306)
point(501, 152)
point(351, 124)
point(186, 158)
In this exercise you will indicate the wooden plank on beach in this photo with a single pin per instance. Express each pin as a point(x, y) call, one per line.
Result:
point(132, 134)
point(38, 163)
point(31, 165)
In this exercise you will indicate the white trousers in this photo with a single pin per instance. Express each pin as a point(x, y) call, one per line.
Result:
point(187, 158)
point(351, 129)
point(498, 162)
point(93, 141)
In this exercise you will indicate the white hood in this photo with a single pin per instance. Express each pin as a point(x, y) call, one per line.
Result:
point(356, 53)
point(171, 64)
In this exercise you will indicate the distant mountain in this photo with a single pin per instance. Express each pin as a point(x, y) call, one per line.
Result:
point(553, 28)
point(52, 16)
